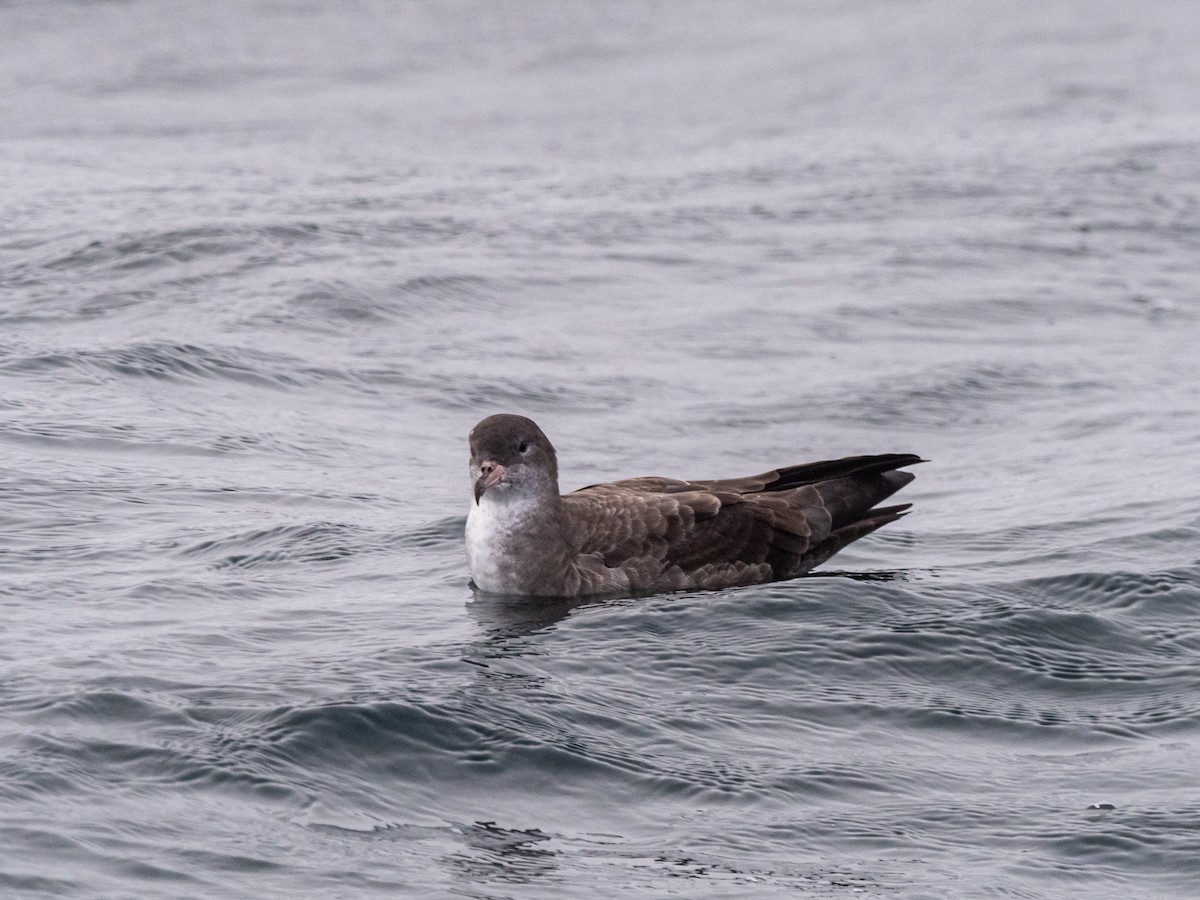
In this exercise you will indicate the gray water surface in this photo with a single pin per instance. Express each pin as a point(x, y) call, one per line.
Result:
point(262, 267)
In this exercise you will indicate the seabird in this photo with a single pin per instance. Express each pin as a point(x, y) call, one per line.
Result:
point(648, 535)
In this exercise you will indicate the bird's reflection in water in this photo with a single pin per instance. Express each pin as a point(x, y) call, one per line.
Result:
point(508, 855)
point(503, 617)
point(882, 575)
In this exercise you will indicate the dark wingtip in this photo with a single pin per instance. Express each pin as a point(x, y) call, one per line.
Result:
point(900, 509)
point(897, 479)
point(831, 469)
point(899, 460)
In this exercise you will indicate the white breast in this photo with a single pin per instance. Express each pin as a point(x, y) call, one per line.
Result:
point(494, 526)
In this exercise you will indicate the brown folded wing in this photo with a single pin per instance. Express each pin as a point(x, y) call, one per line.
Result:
point(669, 533)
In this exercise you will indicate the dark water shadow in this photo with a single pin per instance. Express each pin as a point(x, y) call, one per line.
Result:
point(502, 855)
point(881, 576)
point(505, 616)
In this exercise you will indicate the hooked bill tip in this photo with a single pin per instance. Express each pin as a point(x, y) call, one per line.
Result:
point(490, 473)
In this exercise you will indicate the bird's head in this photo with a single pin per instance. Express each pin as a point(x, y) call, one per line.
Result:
point(510, 457)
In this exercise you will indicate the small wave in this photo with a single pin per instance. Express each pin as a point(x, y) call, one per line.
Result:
point(491, 394)
point(166, 361)
point(1169, 590)
point(398, 737)
point(967, 394)
point(325, 306)
point(435, 535)
point(160, 439)
point(1120, 842)
point(186, 363)
point(284, 545)
point(117, 708)
point(180, 246)
point(70, 764)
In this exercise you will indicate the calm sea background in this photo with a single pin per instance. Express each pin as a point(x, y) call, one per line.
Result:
point(264, 264)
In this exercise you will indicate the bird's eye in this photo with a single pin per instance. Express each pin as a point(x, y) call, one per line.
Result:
point(524, 446)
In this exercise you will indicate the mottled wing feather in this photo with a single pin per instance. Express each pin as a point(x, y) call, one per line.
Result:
point(618, 520)
point(693, 537)
point(743, 535)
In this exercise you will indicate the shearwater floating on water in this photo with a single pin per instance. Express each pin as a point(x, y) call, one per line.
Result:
point(645, 535)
